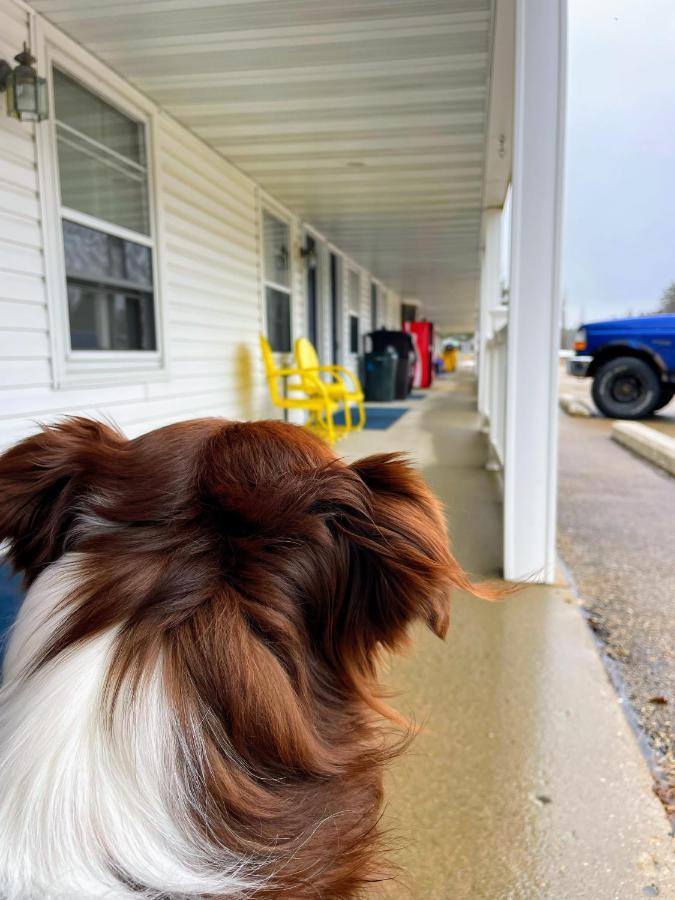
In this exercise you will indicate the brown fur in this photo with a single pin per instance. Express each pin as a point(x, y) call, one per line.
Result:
point(268, 574)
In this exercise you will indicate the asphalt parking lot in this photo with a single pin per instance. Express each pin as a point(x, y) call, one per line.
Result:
point(616, 536)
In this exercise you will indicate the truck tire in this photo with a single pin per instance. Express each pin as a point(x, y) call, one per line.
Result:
point(666, 395)
point(626, 388)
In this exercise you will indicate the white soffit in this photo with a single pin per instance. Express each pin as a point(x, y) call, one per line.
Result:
point(365, 117)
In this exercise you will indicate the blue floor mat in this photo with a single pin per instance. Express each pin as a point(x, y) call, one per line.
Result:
point(11, 596)
point(378, 418)
point(415, 396)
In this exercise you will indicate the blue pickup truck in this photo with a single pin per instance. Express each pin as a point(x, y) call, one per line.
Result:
point(631, 362)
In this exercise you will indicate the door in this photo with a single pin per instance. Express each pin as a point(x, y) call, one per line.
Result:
point(374, 307)
point(334, 309)
point(311, 257)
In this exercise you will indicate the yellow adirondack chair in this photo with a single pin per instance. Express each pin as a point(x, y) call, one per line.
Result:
point(345, 387)
point(318, 404)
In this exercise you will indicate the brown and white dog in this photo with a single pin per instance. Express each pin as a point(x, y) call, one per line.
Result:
point(190, 707)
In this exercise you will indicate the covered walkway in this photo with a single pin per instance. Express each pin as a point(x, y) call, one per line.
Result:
point(527, 782)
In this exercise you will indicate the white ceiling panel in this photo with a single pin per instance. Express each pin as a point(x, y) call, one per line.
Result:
point(366, 117)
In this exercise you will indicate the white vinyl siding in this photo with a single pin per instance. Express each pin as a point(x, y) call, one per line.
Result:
point(24, 335)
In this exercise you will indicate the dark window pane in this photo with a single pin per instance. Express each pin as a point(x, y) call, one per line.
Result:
point(278, 320)
point(353, 333)
point(110, 291)
point(93, 255)
point(104, 319)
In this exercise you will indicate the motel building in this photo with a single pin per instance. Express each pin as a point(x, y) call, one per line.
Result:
point(209, 171)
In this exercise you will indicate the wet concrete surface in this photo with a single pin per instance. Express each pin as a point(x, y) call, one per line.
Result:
point(527, 781)
point(616, 534)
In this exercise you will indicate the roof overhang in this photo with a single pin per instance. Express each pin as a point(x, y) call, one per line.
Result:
point(369, 119)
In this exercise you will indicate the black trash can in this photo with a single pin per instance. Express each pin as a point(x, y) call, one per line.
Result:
point(381, 375)
point(403, 346)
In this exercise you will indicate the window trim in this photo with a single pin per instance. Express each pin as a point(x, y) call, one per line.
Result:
point(72, 368)
point(267, 205)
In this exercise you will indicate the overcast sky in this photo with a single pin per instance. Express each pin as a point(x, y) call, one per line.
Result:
point(619, 246)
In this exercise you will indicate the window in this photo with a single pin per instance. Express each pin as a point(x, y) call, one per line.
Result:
point(105, 222)
point(277, 282)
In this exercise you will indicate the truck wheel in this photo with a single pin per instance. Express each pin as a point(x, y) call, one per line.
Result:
point(666, 395)
point(626, 388)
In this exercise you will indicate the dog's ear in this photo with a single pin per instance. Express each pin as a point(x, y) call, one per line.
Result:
point(41, 481)
point(400, 565)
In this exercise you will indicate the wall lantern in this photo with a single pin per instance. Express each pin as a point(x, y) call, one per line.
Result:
point(26, 91)
point(308, 253)
point(281, 258)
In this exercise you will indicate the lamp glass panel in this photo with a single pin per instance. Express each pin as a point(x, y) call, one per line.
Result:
point(25, 94)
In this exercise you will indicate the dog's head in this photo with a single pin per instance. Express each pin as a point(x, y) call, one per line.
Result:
point(259, 574)
point(259, 518)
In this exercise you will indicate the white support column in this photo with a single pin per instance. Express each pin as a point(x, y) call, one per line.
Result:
point(489, 298)
point(531, 439)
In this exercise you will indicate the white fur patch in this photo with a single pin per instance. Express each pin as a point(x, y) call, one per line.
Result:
point(84, 805)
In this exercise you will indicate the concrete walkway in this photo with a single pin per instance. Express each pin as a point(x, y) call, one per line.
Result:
point(528, 782)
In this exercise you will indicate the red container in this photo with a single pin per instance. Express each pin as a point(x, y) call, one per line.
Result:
point(423, 339)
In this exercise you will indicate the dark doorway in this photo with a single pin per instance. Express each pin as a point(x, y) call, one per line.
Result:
point(334, 309)
point(312, 292)
point(408, 312)
point(373, 306)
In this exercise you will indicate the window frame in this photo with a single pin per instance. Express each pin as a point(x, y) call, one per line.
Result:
point(72, 368)
point(266, 205)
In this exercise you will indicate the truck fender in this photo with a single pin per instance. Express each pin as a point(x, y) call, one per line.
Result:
point(613, 349)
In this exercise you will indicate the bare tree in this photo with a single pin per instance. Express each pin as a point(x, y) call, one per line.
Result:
point(667, 301)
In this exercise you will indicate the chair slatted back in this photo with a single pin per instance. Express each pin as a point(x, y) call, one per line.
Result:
point(271, 370)
point(306, 357)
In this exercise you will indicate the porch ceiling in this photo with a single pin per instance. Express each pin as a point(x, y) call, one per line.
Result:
point(366, 117)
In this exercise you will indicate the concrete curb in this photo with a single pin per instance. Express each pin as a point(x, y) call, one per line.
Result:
point(646, 442)
point(574, 407)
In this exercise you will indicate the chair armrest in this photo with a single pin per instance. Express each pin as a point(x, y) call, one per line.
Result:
point(343, 373)
point(329, 370)
point(307, 375)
